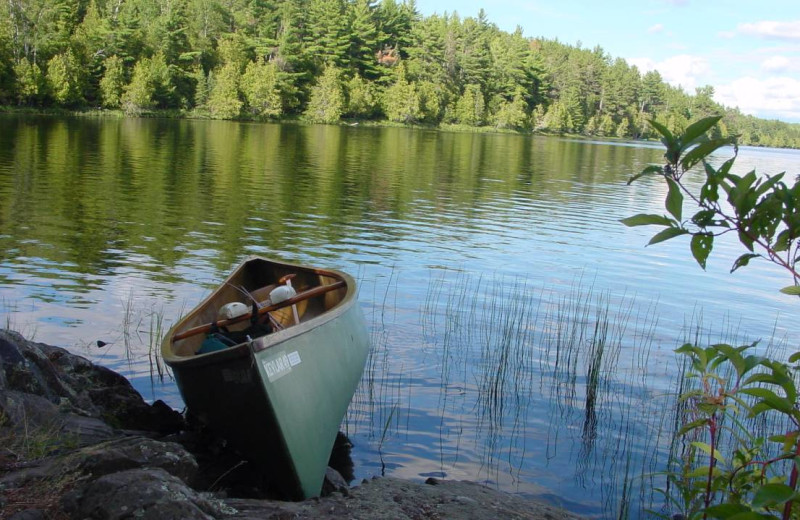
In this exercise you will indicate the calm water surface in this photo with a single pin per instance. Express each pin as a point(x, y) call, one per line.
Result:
point(485, 263)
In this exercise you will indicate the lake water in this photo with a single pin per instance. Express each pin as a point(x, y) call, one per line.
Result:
point(485, 262)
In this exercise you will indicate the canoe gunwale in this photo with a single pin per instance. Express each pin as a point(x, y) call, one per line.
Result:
point(274, 338)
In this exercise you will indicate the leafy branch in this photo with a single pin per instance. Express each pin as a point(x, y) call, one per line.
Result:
point(732, 477)
point(764, 211)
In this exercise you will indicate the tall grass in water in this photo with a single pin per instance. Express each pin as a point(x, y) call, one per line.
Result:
point(141, 331)
point(591, 362)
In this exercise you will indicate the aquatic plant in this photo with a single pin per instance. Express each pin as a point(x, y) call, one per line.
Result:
point(726, 467)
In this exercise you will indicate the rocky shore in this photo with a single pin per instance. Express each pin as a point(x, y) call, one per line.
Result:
point(77, 441)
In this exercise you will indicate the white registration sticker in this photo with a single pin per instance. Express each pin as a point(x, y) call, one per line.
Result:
point(278, 366)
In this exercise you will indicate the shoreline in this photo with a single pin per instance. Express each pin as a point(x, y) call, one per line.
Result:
point(79, 442)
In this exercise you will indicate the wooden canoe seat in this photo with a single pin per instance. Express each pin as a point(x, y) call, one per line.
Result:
point(283, 316)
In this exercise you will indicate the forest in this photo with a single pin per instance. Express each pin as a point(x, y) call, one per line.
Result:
point(332, 60)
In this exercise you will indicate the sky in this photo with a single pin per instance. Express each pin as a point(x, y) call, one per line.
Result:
point(748, 50)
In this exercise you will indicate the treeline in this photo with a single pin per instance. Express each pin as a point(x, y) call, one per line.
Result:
point(331, 59)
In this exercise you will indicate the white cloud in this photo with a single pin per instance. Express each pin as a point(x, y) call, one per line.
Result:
point(684, 70)
point(657, 28)
point(770, 29)
point(777, 97)
point(776, 64)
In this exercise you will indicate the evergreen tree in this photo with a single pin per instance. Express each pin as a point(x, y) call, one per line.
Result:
point(138, 95)
point(30, 82)
point(202, 86)
point(327, 38)
point(64, 79)
point(431, 100)
point(363, 38)
point(362, 99)
point(511, 114)
point(469, 109)
point(624, 128)
point(260, 89)
point(327, 98)
point(113, 82)
point(400, 101)
point(223, 100)
point(605, 127)
point(537, 118)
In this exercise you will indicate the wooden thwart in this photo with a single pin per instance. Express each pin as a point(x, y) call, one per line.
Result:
point(305, 295)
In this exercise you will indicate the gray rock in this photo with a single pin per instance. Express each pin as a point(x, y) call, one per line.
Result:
point(135, 452)
point(74, 385)
point(140, 493)
point(334, 482)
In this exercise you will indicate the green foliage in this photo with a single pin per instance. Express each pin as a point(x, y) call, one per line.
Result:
point(401, 101)
point(223, 100)
point(453, 65)
point(327, 98)
point(150, 87)
point(260, 89)
point(30, 82)
point(113, 82)
point(362, 99)
point(764, 212)
point(64, 79)
point(727, 470)
point(511, 115)
point(470, 107)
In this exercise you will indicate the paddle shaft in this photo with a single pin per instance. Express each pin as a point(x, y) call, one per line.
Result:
point(310, 293)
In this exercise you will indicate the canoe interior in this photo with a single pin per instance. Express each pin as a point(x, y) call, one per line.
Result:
point(258, 277)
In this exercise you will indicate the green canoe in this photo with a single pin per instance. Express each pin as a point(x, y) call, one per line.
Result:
point(280, 397)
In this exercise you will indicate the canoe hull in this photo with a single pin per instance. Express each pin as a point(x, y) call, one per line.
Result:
point(281, 400)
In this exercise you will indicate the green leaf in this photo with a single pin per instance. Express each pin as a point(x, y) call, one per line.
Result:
point(772, 495)
point(702, 243)
point(770, 399)
point(699, 423)
point(666, 234)
point(646, 219)
point(652, 169)
point(750, 515)
point(674, 201)
point(697, 129)
point(793, 290)
point(706, 448)
point(661, 129)
point(703, 150)
point(726, 510)
point(768, 184)
point(794, 357)
point(743, 260)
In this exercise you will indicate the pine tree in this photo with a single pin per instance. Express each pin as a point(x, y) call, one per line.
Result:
point(400, 101)
point(64, 79)
point(327, 38)
point(511, 114)
point(260, 89)
point(223, 100)
point(327, 98)
point(431, 98)
point(30, 82)
point(363, 38)
point(362, 99)
point(113, 82)
point(470, 107)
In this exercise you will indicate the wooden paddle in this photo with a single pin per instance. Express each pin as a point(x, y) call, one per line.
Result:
point(305, 295)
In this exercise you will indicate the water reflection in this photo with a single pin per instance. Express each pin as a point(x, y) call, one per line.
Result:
point(488, 266)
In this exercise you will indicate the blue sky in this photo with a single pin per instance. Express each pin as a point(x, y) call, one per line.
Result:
point(749, 51)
